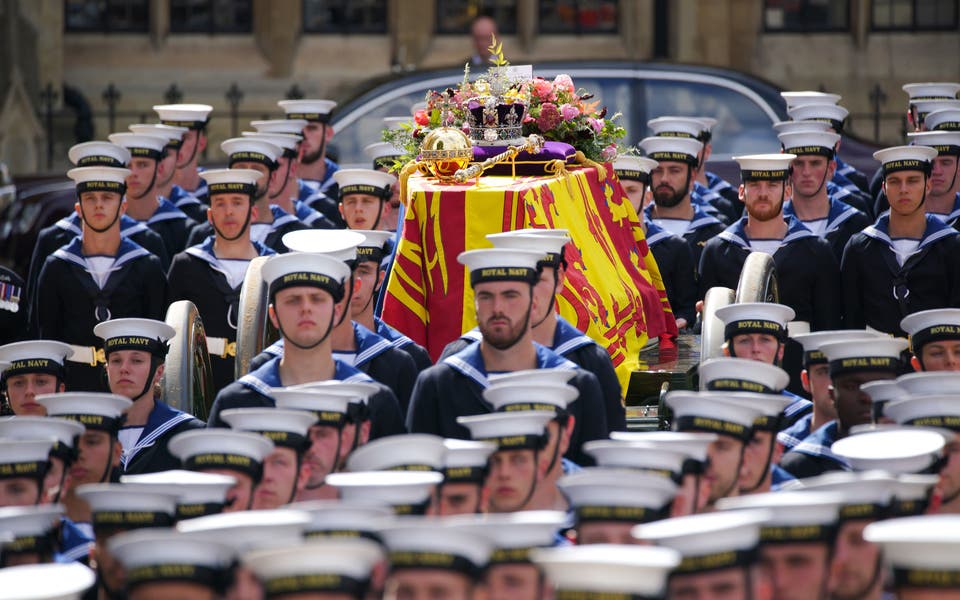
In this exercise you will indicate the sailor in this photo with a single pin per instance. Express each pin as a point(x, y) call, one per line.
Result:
point(179, 197)
point(97, 276)
point(944, 196)
point(317, 186)
point(284, 189)
point(333, 518)
point(135, 351)
point(62, 454)
point(31, 368)
point(239, 454)
point(197, 494)
point(404, 452)
point(284, 471)
point(894, 449)
point(719, 553)
point(503, 280)
point(806, 267)
point(607, 570)
point(29, 535)
point(827, 217)
point(759, 472)
point(946, 119)
point(145, 203)
point(905, 262)
point(923, 553)
point(465, 469)
point(384, 155)
point(845, 175)
point(405, 493)
point(801, 528)
point(608, 503)
point(23, 468)
point(67, 581)
point(934, 339)
point(852, 363)
point(364, 197)
point(211, 273)
point(306, 292)
point(194, 117)
point(634, 175)
point(271, 221)
point(672, 209)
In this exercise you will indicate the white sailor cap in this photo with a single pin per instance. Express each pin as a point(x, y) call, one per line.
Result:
point(905, 158)
point(881, 392)
point(465, 461)
point(800, 126)
point(552, 376)
point(927, 383)
point(625, 495)
point(359, 391)
point(63, 431)
point(764, 167)
point(683, 127)
point(33, 356)
point(197, 494)
point(795, 517)
point(147, 335)
point(912, 494)
point(728, 374)
point(284, 427)
point(191, 116)
point(25, 457)
point(628, 166)
point(173, 135)
point(865, 495)
point(834, 114)
point(115, 505)
point(47, 581)
point(406, 452)
point(895, 450)
point(941, 411)
point(693, 445)
point(925, 107)
point(501, 264)
point(711, 412)
point(665, 462)
point(93, 410)
point(429, 543)
point(514, 397)
point(99, 179)
point(312, 269)
point(371, 249)
point(382, 154)
point(333, 518)
point(248, 149)
point(406, 492)
point(708, 542)
point(517, 430)
point(232, 181)
point(755, 317)
point(340, 244)
point(99, 154)
point(239, 451)
point(513, 535)
point(249, 530)
point(924, 551)
point(339, 566)
point(164, 555)
point(811, 342)
point(287, 126)
point(550, 245)
point(940, 90)
point(140, 145)
point(309, 110)
point(30, 528)
point(287, 142)
point(365, 181)
point(771, 407)
point(329, 407)
point(802, 98)
point(864, 354)
point(945, 119)
point(820, 143)
point(608, 569)
point(673, 149)
point(946, 143)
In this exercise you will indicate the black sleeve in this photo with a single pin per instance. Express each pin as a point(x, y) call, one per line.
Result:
point(592, 422)
point(594, 359)
point(198, 233)
point(385, 416)
point(424, 411)
point(153, 243)
point(802, 465)
point(43, 248)
point(826, 295)
point(851, 271)
point(178, 278)
point(684, 302)
point(235, 395)
point(155, 289)
point(453, 347)
point(707, 270)
point(49, 316)
point(258, 361)
point(420, 356)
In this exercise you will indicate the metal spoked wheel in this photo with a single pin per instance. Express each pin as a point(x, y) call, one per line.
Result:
point(254, 331)
point(188, 376)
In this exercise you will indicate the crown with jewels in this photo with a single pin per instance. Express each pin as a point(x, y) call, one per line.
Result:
point(495, 112)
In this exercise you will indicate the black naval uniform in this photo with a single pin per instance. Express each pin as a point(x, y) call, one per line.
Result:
point(191, 205)
point(197, 275)
point(703, 228)
point(151, 454)
point(878, 292)
point(418, 353)
point(807, 272)
point(842, 222)
point(454, 386)
point(253, 390)
point(172, 224)
point(375, 356)
point(677, 269)
point(283, 223)
point(69, 302)
point(13, 307)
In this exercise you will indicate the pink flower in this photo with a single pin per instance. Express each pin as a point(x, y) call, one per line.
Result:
point(564, 82)
point(597, 124)
point(549, 117)
point(609, 153)
point(543, 89)
point(569, 112)
point(421, 117)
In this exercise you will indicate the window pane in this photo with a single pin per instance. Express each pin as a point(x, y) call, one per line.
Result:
point(106, 15)
point(936, 14)
point(454, 16)
point(345, 16)
point(806, 15)
point(210, 16)
point(578, 16)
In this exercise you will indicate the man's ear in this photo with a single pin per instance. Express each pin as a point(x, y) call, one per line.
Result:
point(210, 216)
point(740, 193)
point(158, 374)
point(123, 206)
point(76, 207)
point(805, 381)
point(364, 433)
point(831, 169)
point(561, 278)
point(303, 475)
point(567, 434)
point(201, 142)
point(272, 313)
point(833, 396)
point(117, 453)
point(915, 363)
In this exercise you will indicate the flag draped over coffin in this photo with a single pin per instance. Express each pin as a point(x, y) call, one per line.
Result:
point(613, 290)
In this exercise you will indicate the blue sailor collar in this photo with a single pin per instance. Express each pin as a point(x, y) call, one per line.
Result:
point(705, 196)
point(162, 419)
point(655, 234)
point(469, 362)
point(128, 225)
point(936, 230)
point(701, 218)
point(844, 182)
point(798, 406)
point(843, 167)
point(954, 213)
point(166, 211)
point(567, 338)
point(369, 345)
point(75, 544)
point(837, 213)
point(796, 433)
point(716, 183)
point(73, 252)
point(305, 214)
point(280, 217)
point(181, 197)
point(267, 376)
point(737, 234)
point(396, 339)
point(819, 442)
point(204, 251)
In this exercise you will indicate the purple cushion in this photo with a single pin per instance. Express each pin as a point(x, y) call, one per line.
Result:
point(527, 164)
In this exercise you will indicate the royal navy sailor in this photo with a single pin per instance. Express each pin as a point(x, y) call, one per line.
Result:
point(182, 199)
point(194, 117)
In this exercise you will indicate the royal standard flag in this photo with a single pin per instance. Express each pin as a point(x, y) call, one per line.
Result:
point(613, 290)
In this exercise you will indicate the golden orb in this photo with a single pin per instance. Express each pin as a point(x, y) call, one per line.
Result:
point(446, 150)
